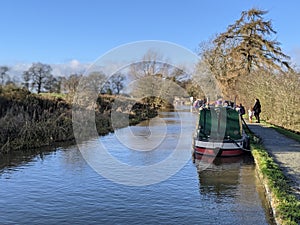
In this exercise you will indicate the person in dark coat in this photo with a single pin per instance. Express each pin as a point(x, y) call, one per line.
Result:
point(257, 110)
point(242, 110)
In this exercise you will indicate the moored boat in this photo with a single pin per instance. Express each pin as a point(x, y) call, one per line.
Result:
point(219, 132)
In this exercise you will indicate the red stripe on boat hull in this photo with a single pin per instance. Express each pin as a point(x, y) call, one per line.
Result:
point(213, 152)
point(212, 159)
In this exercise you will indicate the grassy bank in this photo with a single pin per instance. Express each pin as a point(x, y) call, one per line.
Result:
point(30, 120)
point(286, 206)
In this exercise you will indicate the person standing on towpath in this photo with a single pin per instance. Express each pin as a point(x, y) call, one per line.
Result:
point(257, 110)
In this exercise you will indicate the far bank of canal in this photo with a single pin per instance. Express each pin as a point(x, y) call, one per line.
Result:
point(60, 187)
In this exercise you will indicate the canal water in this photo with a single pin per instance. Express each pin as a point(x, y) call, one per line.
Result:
point(60, 186)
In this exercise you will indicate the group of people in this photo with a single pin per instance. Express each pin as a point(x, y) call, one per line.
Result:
point(254, 111)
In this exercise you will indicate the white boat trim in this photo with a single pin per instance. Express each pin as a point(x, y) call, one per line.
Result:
point(222, 145)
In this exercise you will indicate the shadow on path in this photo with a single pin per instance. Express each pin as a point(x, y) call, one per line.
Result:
point(285, 151)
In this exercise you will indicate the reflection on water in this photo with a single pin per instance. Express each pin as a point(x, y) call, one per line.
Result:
point(59, 187)
point(219, 175)
point(231, 183)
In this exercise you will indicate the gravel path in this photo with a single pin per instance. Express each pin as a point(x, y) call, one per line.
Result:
point(285, 151)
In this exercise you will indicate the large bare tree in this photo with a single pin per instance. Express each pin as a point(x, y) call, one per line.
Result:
point(248, 44)
point(151, 64)
point(70, 83)
point(40, 74)
point(155, 77)
point(114, 84)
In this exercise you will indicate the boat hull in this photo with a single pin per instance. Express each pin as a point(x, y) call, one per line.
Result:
point(218, 152)
point(220, 149)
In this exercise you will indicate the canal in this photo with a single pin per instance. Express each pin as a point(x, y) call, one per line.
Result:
point(63, 187)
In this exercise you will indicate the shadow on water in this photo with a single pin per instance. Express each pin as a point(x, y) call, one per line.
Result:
point(14, 159)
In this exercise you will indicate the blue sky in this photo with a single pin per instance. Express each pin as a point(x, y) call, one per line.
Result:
point(59, 31)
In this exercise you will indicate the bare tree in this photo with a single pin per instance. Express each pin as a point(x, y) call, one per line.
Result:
point(151, 64)
point(95, 81)
point(89, 88)
point(114, 84)
point(106, 88)
point(70, 84)
point(26, 78)
point(40, 74)
point(193, 88)
point(117, 82)
point(3, 74)
point(53, 84)
point(156, 79)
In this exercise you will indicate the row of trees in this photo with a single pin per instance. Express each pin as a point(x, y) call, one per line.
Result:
point(39, 78)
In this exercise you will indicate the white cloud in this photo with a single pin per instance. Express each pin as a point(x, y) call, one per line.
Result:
point(71, 67)
point(74, 63)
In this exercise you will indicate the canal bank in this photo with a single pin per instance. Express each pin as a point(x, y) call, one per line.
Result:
point(30, 120)
point(277, 158)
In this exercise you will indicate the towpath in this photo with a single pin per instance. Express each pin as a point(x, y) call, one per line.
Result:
point(285, 151)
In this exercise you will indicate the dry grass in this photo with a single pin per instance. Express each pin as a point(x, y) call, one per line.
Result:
point(30, 121)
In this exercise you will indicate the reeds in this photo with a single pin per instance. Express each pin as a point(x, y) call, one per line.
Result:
point(30, 121)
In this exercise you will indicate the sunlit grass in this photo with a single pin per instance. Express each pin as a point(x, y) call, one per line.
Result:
point(53, 95)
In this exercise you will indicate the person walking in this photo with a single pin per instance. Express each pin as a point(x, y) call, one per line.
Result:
point(257, 110)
